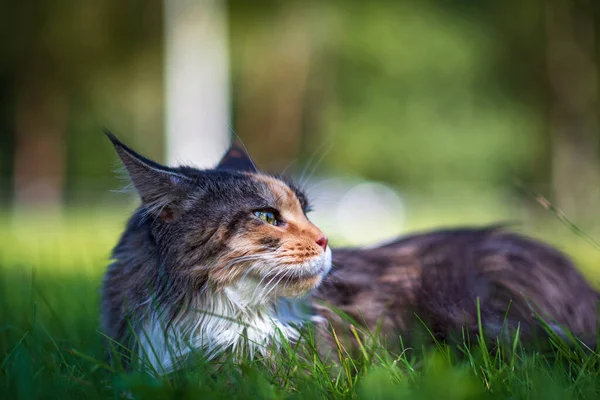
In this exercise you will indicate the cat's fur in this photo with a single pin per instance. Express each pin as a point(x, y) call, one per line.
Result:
point(196, 269)
point(440, 276)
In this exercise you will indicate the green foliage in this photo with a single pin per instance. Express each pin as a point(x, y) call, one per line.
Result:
point(50, 347)
point(413, 93)
point(414, 103)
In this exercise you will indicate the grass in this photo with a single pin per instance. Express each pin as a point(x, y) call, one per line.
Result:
point(50, 347)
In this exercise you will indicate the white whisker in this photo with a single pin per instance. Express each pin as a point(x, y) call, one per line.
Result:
point(238, 260)
point(319, 161)
point(301, 181)
point(262, 295)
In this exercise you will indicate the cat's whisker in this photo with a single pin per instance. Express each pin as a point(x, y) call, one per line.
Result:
point(241, 259)
point(245, 149)
point(256, 266)
point(285, 272)
point(264, 287)
point(301, 180)
point(250, 269)
point(314, 169)
point(316, 185)
point(261, 281)
point(288, 166)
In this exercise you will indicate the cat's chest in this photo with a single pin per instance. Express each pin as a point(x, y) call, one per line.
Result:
point(252, 333)
point(220, 328)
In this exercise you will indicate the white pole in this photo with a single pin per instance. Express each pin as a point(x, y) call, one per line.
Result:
point(196, 81)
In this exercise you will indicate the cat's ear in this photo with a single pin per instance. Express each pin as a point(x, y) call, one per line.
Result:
point(160, 188)
point(237, 159)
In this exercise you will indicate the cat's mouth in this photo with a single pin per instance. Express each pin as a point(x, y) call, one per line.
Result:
point(311, 270)
point(285, 280)
point(292, 279)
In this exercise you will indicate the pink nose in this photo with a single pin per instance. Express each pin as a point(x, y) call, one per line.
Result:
point(322, 241)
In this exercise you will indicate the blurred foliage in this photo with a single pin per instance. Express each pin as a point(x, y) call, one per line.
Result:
point(428, 108)
point(104, 57)
point(420, 94)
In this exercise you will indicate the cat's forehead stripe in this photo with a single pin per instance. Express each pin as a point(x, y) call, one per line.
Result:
point(284, 195)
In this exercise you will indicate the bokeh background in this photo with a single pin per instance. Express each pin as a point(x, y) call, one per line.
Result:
point(396, 116)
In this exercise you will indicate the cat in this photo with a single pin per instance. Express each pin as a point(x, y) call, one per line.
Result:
point(226, 261)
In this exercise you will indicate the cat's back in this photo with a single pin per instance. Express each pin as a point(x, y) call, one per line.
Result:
point(440, 274)
point(403, 259)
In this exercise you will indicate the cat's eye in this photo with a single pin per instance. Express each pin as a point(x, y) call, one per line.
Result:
point(267, 216)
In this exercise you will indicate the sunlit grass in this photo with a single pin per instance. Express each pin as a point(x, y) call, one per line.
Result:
point(50, 347)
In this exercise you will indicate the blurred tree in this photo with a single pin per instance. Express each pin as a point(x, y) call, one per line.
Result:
point(272, 52)
point(427, 110)
point(425, 95)
point(197, 81)
point(66, 65)
point(41, 110)
point(572, 71)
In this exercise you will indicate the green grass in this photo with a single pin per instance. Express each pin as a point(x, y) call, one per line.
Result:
point(50, 347)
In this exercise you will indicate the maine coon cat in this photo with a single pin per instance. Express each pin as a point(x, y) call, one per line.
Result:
point(225, 260)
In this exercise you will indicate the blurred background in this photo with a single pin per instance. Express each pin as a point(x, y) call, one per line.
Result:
point(395, 116)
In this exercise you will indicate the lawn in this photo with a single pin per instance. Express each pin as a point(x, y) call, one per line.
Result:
point(50, 346)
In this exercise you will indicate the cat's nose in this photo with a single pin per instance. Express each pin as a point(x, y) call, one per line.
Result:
point(322, 242)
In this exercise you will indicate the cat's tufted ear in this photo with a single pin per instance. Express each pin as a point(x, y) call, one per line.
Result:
point(160, 188)
point(237, 159)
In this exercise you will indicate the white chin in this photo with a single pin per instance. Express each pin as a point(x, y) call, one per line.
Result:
point(326, 261)
point(257, 290)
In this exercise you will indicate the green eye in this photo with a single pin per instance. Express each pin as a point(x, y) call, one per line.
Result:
point(267, 216)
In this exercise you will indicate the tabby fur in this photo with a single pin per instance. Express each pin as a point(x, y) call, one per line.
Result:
point(195, 269)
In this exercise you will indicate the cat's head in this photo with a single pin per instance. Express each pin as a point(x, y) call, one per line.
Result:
point(229, 227)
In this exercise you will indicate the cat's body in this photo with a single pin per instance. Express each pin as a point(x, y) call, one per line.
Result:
point(226, 261)
point(440, 275)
